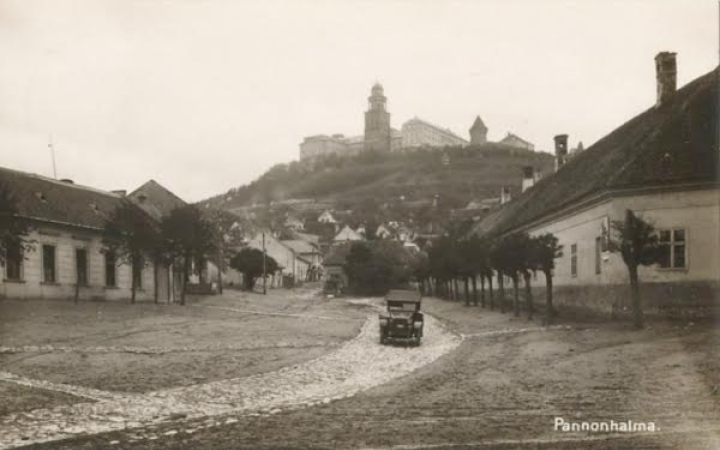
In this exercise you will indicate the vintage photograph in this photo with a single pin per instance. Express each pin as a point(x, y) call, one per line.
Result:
point(360, 224)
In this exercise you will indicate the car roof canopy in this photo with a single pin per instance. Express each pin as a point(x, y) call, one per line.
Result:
point(403, 295)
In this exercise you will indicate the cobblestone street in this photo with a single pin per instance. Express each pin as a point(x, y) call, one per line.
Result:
point(480, 378)
point(357, 365)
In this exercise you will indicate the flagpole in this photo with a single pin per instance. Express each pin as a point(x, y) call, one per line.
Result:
point(52, 153)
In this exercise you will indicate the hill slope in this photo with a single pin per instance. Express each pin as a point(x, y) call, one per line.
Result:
point(410, 179)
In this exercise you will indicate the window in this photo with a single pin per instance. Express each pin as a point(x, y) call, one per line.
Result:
point(598, 255)
point(573, 260)
point(81, 266)
point(13, 262)
point(110, 269)
point(48, 257)
point(672, 248)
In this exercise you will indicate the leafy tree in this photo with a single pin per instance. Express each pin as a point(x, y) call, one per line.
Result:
point(475, 255)
point(249, 262)
point(228, 235)
point(190, 238)
point(374, 267)
point(516, 262)
point(421, 271)
point(637, 242)
point(445, 263)
point(544, 251)
point(130, 235)
point(13, 229)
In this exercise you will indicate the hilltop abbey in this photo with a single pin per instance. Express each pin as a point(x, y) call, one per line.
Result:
point(380, 136)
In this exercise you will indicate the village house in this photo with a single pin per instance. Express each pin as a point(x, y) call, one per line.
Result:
point(382, 232)
point(326, 217)
point(662, 165)
point(156, 200)
point(293, 223)
point(348, 234)
point(67, 222)
point(310, 253)
point(293, 267)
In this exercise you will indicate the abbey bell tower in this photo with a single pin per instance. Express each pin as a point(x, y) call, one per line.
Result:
point(377, 121)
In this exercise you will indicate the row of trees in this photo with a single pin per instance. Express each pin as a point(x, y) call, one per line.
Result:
point(516, 256)
point(519, 256)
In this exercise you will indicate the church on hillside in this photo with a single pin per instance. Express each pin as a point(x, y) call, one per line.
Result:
point(381, 136)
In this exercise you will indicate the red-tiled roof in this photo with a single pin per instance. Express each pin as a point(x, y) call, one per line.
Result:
point(49, 200)
point(674, 144)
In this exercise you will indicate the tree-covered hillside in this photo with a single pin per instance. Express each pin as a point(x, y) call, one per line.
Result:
point(455, 175)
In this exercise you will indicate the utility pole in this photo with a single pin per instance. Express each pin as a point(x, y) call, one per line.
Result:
point(264, 274)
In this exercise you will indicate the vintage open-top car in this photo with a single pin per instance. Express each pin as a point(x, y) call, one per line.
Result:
point(403, 320)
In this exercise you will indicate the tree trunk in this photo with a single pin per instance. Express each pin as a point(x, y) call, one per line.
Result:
point(474, 289)
point(466, 283)
point(638, 319)
point(490, 291)
point(186, 268)
point(457, 291)
point(482, 290)
point(221, 266)
point(528, 295)
point(501, 289)
point(170, 275)
point(549, 309)
point(516, 295)
point(133, 281)
point(155, 282)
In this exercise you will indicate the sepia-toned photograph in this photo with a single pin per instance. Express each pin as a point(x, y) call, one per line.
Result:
point(360, 224)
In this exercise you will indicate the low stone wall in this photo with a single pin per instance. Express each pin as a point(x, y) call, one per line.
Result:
point(672, 300)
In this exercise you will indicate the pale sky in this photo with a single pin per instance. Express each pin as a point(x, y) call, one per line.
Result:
point(205, 95)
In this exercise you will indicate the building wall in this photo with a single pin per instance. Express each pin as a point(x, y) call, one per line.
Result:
point(513, 141)
point(321, 145)
point(283, 255)
point(697, 212)
point(416, 133)
point(66, 242)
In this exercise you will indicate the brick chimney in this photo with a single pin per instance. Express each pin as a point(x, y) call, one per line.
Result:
point(561, 150)
point(528, 179)
point(666, 74)
point(505, 195)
